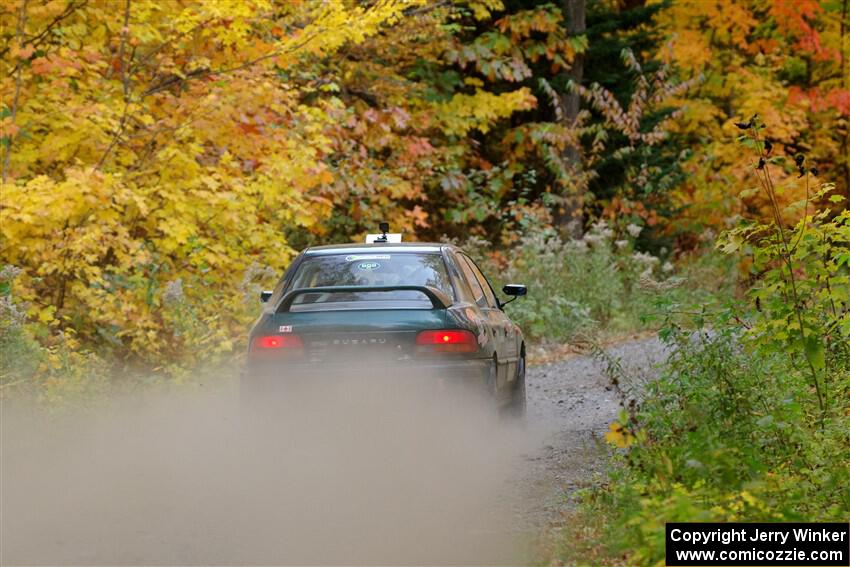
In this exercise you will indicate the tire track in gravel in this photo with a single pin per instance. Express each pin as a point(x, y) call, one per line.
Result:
point(571, 403)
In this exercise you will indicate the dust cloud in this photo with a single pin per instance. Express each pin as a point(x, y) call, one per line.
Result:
point(365, 473)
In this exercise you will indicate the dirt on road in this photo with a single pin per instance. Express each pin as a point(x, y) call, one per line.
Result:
point(388, 478)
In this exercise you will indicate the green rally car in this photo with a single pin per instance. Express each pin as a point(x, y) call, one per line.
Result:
point(404, 308)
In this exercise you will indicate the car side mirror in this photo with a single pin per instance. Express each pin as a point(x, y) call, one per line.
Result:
point(265, 295)
point(515, 289)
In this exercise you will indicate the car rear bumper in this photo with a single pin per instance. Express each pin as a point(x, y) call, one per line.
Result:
point(269, 380)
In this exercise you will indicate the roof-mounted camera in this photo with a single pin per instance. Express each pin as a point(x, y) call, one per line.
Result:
point(385, 237)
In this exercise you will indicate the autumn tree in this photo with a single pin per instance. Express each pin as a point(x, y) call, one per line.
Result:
point(150, 144)
point(161, 159)
point(784, 61)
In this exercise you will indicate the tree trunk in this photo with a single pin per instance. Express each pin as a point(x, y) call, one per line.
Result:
point(570, 218)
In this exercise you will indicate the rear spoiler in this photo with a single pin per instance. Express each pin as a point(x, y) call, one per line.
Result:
point(438, 299)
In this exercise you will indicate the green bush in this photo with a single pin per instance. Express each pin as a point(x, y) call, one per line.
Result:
point(20, 354)
point(722, 436)
point(750, 421)
point(596, 284)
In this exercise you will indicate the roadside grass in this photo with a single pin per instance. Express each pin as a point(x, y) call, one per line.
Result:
point(749, 420)
point(581, 537)
point(732, 430)
point(722, 435)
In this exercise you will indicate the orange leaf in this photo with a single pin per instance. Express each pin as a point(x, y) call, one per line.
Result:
point(22, 52)
point(8, 128)
point(41, 66)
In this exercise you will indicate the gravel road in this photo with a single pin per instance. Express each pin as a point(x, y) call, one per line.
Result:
point(571, 402)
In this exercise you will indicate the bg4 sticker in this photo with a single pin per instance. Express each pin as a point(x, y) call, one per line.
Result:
point(368, 266)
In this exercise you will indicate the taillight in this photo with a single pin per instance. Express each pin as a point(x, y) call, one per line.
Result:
point(276, 342)
point(447, 341)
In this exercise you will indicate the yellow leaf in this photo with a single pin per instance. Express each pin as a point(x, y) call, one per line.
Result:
point(619, 436)
point(46, 315)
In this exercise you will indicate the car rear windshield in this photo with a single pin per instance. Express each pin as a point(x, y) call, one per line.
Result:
point(375, 270)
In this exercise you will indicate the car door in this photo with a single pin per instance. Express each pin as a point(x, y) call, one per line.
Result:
point(483, 312)
point(509, 328)
point(497, 320)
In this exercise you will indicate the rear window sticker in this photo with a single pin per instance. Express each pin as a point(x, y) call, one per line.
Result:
point(285, 329)
point(368, 266)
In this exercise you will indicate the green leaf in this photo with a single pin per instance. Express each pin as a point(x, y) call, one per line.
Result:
point(765, 421)
point(749, 192)
point(815, 352)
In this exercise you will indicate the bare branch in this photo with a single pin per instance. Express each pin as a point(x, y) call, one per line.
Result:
point(125, 78)
point(203, 73)
point(125, 83)
point(425, 9)
point(37, 40)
